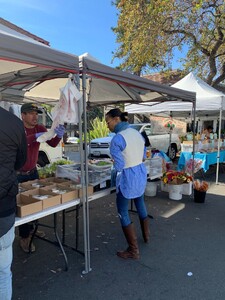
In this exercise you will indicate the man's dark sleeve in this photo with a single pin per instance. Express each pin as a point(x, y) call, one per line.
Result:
point(21, 156)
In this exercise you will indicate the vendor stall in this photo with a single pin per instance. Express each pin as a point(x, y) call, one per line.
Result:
point(209, 103)
point(207, 159)
point(25, 65)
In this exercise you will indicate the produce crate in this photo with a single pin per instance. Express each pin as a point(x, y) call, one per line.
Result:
point(155, 166)
point(73, 173)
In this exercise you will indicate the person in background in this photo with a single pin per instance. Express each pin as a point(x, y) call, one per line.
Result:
point(33, 130)
point(12, 157)
point(207, 132)
point(127, 149)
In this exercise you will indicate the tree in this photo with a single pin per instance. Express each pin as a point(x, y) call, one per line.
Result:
point(92, 113)
point(149, 32)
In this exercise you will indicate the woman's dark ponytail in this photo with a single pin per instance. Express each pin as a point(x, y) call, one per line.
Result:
point(116, 112)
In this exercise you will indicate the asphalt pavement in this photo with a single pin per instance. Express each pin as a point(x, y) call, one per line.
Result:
point(184, 260)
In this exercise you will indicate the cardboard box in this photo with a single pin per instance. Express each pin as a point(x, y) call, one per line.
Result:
point(33, 184)
point(27, 206)
point(189, 142)
point(69, 195)
point(77, 187)
point(90, 191)
point(56, 180)
point(52, 199)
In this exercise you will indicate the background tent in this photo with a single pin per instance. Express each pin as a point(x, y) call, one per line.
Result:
point(209, 101)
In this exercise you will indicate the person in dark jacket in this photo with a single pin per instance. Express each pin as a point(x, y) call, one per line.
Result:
point(12, 157)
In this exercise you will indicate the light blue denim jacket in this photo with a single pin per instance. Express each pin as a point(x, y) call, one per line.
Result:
point(131, 181)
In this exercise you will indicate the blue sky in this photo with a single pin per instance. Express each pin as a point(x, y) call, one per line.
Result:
point(74, 26)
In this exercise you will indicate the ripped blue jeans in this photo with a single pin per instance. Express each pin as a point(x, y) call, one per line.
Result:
point(6, 242)
point(122, 208)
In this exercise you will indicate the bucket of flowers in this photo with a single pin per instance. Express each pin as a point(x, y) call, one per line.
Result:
point(175, 177)
point(174, 180)
point(187, 184)
point(200, 189)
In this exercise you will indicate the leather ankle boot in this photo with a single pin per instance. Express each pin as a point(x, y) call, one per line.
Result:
point(145, 229)
point(132, 251)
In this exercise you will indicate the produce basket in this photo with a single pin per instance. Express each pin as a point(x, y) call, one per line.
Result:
point(96, 164)
point(73, 172)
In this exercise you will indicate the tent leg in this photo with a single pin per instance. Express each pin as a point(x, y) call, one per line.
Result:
point(218, 148)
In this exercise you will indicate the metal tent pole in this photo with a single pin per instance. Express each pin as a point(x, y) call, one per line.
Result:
point(88, 260)
point(83, 197)
point(218, 148)
point(194, 131)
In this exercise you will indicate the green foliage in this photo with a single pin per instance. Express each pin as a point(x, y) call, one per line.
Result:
point(149, 33)
point(47, 107)
point(49, 170)
point(93, 113)
point(100, 128)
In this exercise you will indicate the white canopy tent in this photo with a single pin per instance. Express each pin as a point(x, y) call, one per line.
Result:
point(209, 102)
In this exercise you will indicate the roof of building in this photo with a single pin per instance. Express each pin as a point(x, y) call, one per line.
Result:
point(168, 78)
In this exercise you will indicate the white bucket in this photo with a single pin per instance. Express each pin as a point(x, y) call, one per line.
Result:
point(175, 191)
point(151, 189)
point(187, 188)
point(164, 187)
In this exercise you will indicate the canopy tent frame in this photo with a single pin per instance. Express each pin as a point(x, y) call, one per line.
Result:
point(129, 88)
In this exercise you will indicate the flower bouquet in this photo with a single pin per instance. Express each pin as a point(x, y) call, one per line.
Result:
point(200, 189)
point(176, 177)
point(193, 165)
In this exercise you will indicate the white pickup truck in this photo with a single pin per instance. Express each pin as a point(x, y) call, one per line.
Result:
point(168, 143)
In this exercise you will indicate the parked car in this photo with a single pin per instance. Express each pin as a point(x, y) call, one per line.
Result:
point(170, 144)
point(72, 140)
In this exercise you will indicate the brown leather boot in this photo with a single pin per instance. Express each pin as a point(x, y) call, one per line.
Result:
point(132, 251)
point(145, 229)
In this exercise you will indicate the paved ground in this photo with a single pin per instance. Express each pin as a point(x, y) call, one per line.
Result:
point(186, 238)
